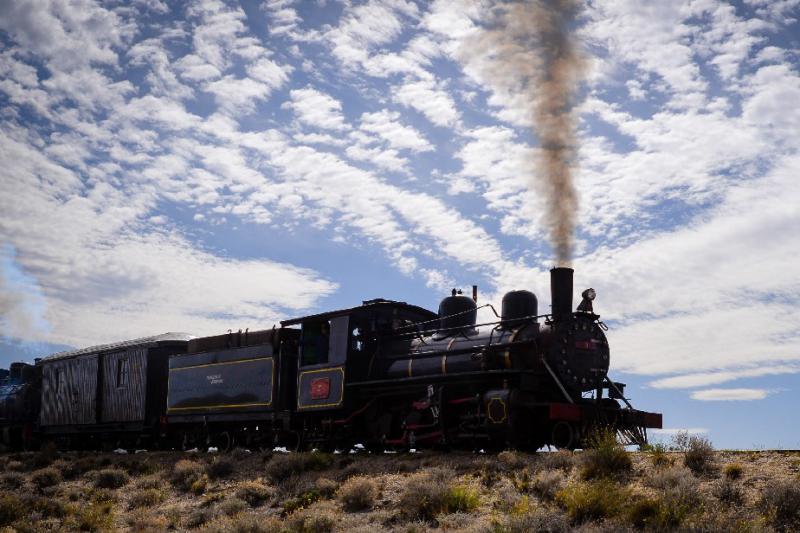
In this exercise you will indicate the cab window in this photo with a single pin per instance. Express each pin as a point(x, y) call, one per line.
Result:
point(316, 342)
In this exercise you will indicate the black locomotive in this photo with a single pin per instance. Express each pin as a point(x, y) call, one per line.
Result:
point(385, 374)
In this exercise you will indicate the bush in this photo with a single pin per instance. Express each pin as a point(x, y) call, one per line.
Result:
point(698, 453)
point(11, 509)
point(244, 523)
point(733, 471)
point(593, 500)
point(606, 457)
point(547, 484)
point(524, 518)
point(728, 492)
point(46, 455)
point(561, 460)
point(220, 467)
point(185, 473)
point(77, 467)
point(110, 478)
point(301, 501)
point(781, 503)
point(511, 460)
point(658, 455)
point(199, 485)
point(326, 487)
point(358, 494)
point(45, 507)
point(284, 465)
point(146, 498)
point(254, 493)
point(432, 492)
point(46, 477)
point(13, 480)
point(232, 506)
point(320, 519)
point(95, 517)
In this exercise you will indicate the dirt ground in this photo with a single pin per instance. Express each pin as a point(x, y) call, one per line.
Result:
point(426, 491)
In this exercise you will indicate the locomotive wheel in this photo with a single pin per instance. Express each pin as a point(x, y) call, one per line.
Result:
point(224, 441)
point(564, 436)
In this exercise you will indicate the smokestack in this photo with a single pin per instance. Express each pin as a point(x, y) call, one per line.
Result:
point(561, 291)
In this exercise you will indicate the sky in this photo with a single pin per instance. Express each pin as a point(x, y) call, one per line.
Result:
point(209, 166)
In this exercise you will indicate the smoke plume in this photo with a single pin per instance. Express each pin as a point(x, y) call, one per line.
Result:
point(534, 61)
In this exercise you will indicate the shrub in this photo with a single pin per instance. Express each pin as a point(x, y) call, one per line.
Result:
point(46, 455)
point(728, 492)
point(511, 460)
point(326, 487)
point(95, 517)
point(143, 521)
point(358, 494)
point(150, 482)
point(658, 455)
point(547, 484)
point(185, 473)
point(254, 493)
point(606, 457)
point(232, 506)
point(461, 499)
point(199, 485)
point(220, 467)
point(13, 480)
point(284, 465)
point(593, 500)
point(146, 498)
point(77, 467)
point(244, 523)
point(301, 501)
point(46, 477)
point(698, 453)
point(110, 478)
point(135, 467)
point(432, 492)
point(14, 466)
point(780, 501)
point(319, 519)
point(524, 518)
point(11, 509)
point(733, 471)
point(561, 460)
point(45, 507)
point(642, 513)
point(198, 517)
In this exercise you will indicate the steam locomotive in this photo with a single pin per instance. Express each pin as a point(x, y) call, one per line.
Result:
point(385, 374)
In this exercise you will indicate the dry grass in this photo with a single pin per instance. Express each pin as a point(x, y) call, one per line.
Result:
point(428, 491)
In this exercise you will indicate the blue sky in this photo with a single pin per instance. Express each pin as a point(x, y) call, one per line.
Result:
point(170, 167)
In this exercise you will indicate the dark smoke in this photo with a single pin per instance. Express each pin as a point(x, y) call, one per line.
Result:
point(536, 61)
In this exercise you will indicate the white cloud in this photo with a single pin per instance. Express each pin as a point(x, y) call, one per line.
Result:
point(429, 98)
point(386, 124)
point(317, 109)
point(703, 379)
point(363, 26)
point(727, 395)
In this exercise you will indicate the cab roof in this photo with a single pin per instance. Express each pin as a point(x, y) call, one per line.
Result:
point(366, 305)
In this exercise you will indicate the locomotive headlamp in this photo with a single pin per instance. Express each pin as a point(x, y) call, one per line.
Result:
point(586, 305)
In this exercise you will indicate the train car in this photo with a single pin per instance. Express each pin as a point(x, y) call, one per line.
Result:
point(19, 405)
point(233, 389)
point(112, 394)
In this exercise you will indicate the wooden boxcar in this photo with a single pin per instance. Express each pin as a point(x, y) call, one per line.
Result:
point(108, 389)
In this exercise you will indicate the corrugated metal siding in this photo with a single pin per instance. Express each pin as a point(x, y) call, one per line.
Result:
point(69, 391)
point(124, 402)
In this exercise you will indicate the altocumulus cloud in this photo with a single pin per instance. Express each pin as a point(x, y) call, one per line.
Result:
point(384, 126)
